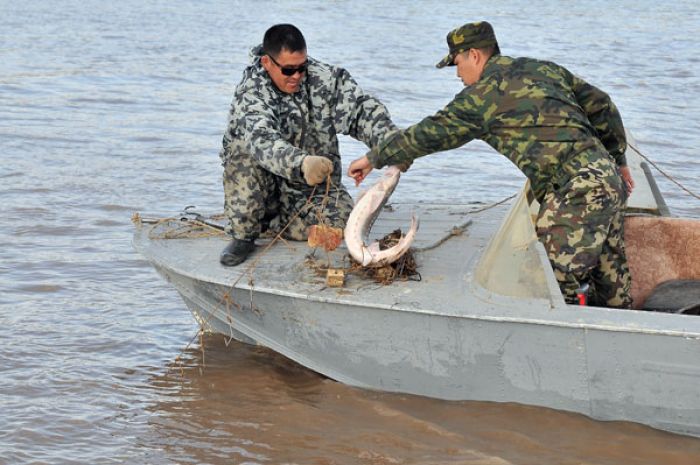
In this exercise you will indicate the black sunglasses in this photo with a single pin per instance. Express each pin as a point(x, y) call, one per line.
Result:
point(291, 70)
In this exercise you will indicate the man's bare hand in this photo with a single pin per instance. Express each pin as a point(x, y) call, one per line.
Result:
point(627, 179)
point(359, 169)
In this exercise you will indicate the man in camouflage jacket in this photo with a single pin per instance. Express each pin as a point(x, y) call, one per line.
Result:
point(564, 134)
point(281, 143)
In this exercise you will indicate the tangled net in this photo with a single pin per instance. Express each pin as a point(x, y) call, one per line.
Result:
point(404, 269)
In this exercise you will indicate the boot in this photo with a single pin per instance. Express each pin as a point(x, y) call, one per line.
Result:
point(236, 252)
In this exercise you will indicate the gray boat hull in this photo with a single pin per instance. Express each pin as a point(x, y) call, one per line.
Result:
point(486, 322)
point(472, 344)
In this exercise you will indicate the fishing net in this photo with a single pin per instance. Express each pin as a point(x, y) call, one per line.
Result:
point(404, 269)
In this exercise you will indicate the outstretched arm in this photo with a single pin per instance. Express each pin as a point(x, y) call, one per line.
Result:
point(453, 126)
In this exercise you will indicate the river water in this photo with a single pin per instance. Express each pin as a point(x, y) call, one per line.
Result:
point(111, 108)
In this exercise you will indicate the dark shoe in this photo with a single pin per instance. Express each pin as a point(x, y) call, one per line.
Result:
point(236, 252)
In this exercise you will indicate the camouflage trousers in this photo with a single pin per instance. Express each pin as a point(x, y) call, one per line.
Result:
point(256, 201)
point(581, 227)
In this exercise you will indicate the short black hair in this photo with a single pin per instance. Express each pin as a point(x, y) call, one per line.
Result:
point(283, 37)
point(492, 50)
point(488, 51)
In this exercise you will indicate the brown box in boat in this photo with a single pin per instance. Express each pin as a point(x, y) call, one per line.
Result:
point(335, 277)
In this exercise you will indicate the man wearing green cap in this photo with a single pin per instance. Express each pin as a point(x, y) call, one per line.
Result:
point(564, 134)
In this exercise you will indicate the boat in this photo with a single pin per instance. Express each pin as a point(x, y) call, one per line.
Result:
point(486, 320)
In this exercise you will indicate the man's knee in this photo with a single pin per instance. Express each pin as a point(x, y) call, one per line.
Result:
point(251, 195)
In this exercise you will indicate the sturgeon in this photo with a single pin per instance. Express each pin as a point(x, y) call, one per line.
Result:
point(362, 217)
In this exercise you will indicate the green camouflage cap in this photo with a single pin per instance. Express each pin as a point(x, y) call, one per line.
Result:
point(471, 35)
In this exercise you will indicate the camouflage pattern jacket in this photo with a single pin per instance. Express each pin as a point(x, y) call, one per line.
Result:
point(536, 113)
point(279, 129)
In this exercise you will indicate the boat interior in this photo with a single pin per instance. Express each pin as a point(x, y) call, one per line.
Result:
point(663, 252)
point(468, 254)
point(664, 258)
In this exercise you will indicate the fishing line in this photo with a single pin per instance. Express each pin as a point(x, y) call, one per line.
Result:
point(670, 178)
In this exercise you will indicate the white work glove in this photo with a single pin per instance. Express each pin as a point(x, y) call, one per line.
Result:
point(316, 169)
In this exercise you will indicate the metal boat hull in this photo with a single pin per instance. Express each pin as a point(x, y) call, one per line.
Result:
point(606, 373)
point(486, 322)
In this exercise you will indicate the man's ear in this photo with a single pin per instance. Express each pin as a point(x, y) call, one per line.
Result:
point(265, 60)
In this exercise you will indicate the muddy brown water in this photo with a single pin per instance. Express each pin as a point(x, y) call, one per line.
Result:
point(111, 109)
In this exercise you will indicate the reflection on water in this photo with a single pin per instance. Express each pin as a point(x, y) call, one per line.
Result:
point(247, 403)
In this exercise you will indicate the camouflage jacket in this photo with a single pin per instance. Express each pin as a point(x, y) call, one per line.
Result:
point(534, 112)
point(279, 129)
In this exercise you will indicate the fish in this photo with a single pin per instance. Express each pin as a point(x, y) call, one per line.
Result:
point(362, 217)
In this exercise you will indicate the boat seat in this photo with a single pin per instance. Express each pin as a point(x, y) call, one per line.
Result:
point(675, 296)
point(659, 250)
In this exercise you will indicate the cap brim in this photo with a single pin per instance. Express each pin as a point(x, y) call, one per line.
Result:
point(449, 60)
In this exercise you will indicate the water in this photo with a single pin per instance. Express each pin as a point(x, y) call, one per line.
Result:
point(106, 110)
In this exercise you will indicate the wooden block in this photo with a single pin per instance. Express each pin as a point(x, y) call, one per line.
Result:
point(335, 277)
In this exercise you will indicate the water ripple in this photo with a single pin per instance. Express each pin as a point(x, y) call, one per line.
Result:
point(114, 108)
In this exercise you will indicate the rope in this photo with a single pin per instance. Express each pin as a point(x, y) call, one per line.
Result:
point(669, 177)
point(487, 207)
point(407, 272)
point(226, 298)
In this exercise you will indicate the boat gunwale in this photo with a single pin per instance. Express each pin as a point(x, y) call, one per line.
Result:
point(488, 318)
